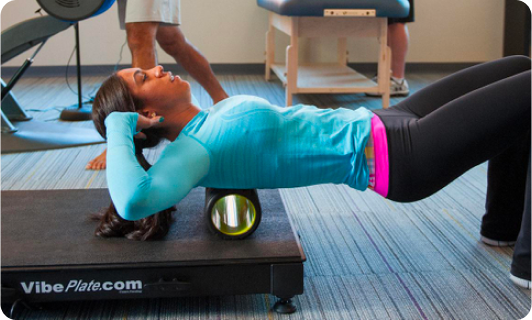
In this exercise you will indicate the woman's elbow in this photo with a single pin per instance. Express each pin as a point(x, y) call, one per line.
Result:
point(133, 210)
point(126, 214)
point(133, 204)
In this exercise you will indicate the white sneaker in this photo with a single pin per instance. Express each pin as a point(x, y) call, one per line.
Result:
point(398, 88)
point(496, 243)
point(523, 283)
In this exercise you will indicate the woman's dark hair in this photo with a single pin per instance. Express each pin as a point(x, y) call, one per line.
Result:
point(112, 96)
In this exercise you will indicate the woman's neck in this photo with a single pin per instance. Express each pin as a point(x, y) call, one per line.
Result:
point(175, 122)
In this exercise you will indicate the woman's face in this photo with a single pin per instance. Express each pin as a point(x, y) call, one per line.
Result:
point(159, 90)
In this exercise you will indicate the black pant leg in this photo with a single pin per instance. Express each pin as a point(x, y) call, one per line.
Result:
point(456, 85)
point(427, 153)
point(482, 117)
point(507, 174)
point(521, 259)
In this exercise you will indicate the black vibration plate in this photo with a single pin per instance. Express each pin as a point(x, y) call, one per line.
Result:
point(49, 252)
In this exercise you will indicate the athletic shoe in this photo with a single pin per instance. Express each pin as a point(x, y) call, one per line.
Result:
point(523, 283)
point(496, 243)
point(398, 88)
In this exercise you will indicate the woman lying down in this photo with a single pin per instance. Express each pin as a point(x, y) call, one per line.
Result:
point(404, 153)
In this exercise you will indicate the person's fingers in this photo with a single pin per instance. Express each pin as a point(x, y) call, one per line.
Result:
point(140, 136)
point(146, 123)
point(154, 122)
point(157, 120)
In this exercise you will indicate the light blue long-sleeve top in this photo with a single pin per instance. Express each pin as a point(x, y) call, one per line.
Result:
point(242, 142)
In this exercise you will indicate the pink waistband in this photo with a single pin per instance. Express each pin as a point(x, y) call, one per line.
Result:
point(378, 131)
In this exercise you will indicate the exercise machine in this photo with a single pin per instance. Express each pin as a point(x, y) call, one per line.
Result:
point(50, 253)
point(19, 132)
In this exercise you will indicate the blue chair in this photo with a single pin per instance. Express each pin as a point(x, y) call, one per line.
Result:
point(340, 19)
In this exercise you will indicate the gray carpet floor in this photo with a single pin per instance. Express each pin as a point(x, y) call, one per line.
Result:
point(368, 257)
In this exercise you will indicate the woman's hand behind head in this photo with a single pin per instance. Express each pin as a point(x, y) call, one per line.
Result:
point(143, 122)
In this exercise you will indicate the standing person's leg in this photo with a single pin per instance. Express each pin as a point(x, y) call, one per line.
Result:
point(140, 19)
point(398, 40)
point(141, 42)
point(173, 42)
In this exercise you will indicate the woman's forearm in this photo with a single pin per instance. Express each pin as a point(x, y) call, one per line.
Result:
point(136, 193)
point(126, 178)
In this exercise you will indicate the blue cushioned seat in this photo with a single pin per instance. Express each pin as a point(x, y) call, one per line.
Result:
point(384, 8)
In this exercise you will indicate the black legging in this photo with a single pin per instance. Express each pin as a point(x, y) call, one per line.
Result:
point(478, 114)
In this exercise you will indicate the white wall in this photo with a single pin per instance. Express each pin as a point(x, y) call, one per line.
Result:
point(233, 31)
